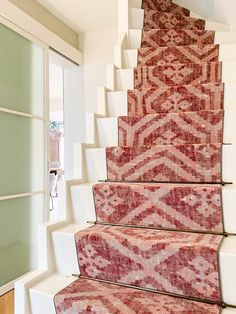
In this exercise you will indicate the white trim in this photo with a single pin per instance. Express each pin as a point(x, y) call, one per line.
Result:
point(13, 196)
point(13, 14)
point(19, 113)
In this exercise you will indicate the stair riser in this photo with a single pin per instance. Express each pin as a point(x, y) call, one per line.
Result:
point(221, 37)
point(124, 78)
point(136, 20)
point(117, 102)
point(227, 53)
point(107, 129)
point(82, 197)
point(227, 259)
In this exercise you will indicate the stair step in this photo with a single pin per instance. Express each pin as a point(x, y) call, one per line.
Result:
point(159, 20)
point(136, 20)
point(170, 37)
point(161, 260)
point(172, 98)
point(178, 54)
point(172, 128)
point(85, 296)
point(165, 163)
point(176, 98)
point(210, 37)
point(177, 74)
point(168, 206)
point(165, 6)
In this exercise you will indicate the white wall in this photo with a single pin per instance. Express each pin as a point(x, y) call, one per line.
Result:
point(217, 10)
point(98, 51)
point(74, 114)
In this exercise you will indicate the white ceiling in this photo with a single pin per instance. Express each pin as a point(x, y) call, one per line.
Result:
point(84, 15)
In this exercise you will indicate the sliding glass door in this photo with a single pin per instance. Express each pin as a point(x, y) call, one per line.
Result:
point(22, 151)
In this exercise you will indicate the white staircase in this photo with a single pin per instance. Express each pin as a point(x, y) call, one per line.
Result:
point(57, 252)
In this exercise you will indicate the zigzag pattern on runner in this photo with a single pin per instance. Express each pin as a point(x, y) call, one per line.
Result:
point(176, 98)
point(181, 207)
point(176, 37)
point(177, 54)
point(160, 20)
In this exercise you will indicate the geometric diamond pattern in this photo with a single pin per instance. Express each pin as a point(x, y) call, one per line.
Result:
point(178, 54)
point(176, 37)
point(165, 6)
point(168, 206)
point(200, 127)
point(192, 163)
point(177, 74)
point(146, 258)
point(160, 20)
point(89, 296)
point(175, 99)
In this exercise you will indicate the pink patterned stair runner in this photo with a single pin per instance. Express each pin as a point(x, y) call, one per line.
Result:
point(181, 263)
point(181, 207)
point(192, 163)
point(200, 127)
point(177, 74)
point(165, 6)
point(172, 136)
point(177, 54)
point(176, 98)
point(176, 37)
point(160, 20)
point(89, 296)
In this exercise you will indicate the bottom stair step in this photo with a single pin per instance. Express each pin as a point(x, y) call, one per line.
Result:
point(185, 264)
point(88, 296)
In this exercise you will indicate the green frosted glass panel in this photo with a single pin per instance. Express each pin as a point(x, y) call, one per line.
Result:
point(18, 236)
point(22, 154)
point(21, 73)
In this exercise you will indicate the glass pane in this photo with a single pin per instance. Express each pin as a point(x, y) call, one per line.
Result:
point(21, 73)
point(18, 236)
point(22, 154)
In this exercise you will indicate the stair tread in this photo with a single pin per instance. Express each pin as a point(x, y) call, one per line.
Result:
point(173, 206)
point(86, 295)
point(165, 6)
point(155, 259)
point(177, 74)
point(190, 97)
point(193, 163)
point(163, 20)
point(171, 37)
point(178, 54)
point(171, 128)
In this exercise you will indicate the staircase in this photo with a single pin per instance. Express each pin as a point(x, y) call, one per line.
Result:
point(150, 226)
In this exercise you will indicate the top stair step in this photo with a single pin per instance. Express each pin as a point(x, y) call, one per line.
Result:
point(160, 20)
point(165, 6)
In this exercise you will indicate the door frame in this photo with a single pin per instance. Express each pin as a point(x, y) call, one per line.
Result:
point(45, 118)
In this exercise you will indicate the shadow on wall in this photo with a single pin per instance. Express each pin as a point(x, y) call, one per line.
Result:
point(215, 10)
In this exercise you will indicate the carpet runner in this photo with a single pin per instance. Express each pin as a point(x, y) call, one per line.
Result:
point(200, 127)
point(175, 98)
point(159, 215)
point(177, 54)
point(181, 263)
point(155, 19)
point(192, 163)
point(177, 74)
point(169, 206)
point(165, 6)
point(171, 37)
point(89, 296)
